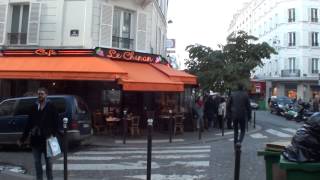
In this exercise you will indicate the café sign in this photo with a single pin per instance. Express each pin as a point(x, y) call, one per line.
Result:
point(132, 56)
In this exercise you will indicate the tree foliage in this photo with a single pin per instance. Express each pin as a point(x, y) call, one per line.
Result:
point(219, 70)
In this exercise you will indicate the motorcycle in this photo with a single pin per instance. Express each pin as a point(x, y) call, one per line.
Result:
point(298, 112)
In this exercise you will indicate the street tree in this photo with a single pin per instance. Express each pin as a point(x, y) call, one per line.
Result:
point(219, 70)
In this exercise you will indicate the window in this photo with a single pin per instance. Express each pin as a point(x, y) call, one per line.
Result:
point(6, 108)
point(292, 64)
point(19, 24)
point(292, 15)
point(292, 39)
point(315, 65)
point(60, 104)
point(24, 106)
point(81, 106)
point(314, 15)
point(314, 39)
point(122, 32)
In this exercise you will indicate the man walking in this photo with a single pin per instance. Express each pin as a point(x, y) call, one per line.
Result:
point(42, 123)
point(239, 107)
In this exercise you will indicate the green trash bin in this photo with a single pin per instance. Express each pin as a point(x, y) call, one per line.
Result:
point(300, 171)
point(273, 171)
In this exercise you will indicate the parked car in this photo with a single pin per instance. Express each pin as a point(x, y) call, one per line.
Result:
point(280, 104)
point(14, 116)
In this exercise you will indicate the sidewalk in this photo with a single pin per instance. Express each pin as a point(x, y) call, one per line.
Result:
point(160, 138)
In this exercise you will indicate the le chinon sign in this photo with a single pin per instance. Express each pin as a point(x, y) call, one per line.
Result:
point(122, 55)
point(113, 54)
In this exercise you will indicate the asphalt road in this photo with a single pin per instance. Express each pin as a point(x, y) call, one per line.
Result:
point(214, 160)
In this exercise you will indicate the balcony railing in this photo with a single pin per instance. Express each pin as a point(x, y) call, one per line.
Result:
point(120, 42)
point(17, 38)
point(315, 71)
point(314, 19)
point(290, 73)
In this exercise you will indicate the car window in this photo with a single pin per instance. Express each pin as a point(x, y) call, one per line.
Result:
point(59, 103)
point(24, 106)
point(81, 106)
point(6, 107)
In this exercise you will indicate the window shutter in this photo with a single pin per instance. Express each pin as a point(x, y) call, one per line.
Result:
point(34, 23)
point(106, 20)
point(297, 39)
point(310, 39)
point(142, 32)
point(3, 19)
point(310, 65)
point(309, 15)
point(286, 64)
point(286, 40)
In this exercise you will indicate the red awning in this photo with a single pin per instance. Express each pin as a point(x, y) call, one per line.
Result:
point(176, 75)
point(60, 68)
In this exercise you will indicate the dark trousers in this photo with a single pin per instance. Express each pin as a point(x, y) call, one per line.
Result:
point(220, 121)
point(37, 154)
point(210, 121)
point(236, 123)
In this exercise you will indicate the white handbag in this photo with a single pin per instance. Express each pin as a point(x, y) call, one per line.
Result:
point(53, 147)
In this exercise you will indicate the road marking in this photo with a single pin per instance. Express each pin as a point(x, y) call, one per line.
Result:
point(145, 141)
point(258, 136)
point(168, 177)
point(108, 158)
point(290, 130)
point(278, 133)
point(128, 166)
point(154, 148)
point(144, 152)
point(106, 167)
point(226, 133)
point(231, 139)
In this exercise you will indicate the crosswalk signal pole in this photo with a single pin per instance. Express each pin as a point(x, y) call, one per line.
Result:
point(65, 148)
point(149, 153)
point(254, 119)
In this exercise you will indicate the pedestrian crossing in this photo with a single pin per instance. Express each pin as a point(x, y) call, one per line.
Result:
point(131, 162)
point(269, 133)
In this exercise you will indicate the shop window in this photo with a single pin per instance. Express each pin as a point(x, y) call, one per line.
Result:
point(123, 25)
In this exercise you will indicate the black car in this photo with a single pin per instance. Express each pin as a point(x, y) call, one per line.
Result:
point(14, 115)
point(279, 104)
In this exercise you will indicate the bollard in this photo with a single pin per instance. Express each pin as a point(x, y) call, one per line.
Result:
point(170, 126)
point(254, 119)
point(149, 153)
point(200, 130)
point(222, 127)
point(65, 148)
point(247, 124)
point(237, 161)
point(125, 126)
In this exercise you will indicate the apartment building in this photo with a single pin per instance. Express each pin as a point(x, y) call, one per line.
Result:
point(292, 27)
point(138, 25)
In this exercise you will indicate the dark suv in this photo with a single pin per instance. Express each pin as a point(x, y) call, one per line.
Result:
point(14, 115)
point(279, 104)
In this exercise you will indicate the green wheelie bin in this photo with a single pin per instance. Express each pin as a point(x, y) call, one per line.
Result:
point(300, 171)
point(273, 171)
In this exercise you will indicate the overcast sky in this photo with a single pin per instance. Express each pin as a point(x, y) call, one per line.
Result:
point(200, 21)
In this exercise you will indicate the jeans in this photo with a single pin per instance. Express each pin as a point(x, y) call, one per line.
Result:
point(199, 122)
point(37, 154)
point(236, 123)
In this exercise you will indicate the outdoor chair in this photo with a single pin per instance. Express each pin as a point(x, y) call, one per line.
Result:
point(134, 126)
point(179, 123)
point(98, 122)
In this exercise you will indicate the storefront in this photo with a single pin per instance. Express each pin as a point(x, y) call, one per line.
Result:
point(109, 80)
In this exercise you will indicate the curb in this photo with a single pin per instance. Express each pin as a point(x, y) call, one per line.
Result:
point(8, 175)
point(188, 142)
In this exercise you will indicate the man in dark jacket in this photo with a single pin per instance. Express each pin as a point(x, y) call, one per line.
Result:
point(239, 107)
point(42, 123)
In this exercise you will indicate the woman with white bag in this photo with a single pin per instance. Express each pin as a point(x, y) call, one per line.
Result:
point(41, 126)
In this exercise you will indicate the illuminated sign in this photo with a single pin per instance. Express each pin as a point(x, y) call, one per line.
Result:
point(128, 55)
point(46, 52)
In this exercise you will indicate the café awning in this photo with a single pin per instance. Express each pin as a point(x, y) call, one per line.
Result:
point(144, 77)
point(176, 75)
point(60, 68)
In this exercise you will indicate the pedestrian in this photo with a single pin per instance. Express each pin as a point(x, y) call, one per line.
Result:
point(199, 109)
point(209, 110)
point(216, 102)
point(222, 112)
point(42, 124)
point(315, 103)
point(239, 106)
